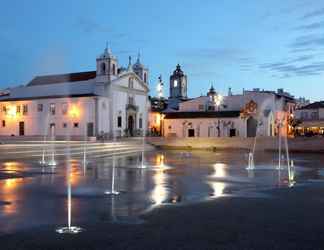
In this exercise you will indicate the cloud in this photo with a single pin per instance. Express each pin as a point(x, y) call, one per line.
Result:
point(308, 41)
point(293, 68)
point(315, 13)
point(310, 26)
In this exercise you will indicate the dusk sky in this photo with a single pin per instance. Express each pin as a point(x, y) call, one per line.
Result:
point(233, 43)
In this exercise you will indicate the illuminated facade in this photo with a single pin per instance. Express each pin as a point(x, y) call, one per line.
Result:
point(309, 119)
point(111, 101)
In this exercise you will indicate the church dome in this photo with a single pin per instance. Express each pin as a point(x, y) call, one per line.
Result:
point(211, 91)
point(107, 53)
point(138, 64)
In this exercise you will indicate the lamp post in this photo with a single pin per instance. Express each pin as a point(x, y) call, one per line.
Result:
point(217, 100)
point(159, 89)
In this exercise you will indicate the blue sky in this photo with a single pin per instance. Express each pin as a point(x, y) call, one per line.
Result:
point(230, 43)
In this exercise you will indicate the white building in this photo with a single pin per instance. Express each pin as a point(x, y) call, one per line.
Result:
point(111, 100)
point(248, 114)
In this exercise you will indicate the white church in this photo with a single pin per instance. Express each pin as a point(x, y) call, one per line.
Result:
point(111, 101)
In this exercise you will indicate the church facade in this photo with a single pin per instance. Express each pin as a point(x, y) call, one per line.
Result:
point(111, 101)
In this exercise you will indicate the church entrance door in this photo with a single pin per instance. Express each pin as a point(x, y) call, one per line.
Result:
point(131, 125)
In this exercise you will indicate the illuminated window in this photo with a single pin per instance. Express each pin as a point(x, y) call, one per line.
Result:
point(175, 83)
point(119, 121)
point(18, 109)
point(3, 123)
point(52, 108)
point(25, 109)
point(64, 125)
point(40, 107)
point(75, 124)
point(64, 108)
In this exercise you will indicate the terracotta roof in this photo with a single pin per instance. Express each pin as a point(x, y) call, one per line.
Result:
point(213, 114)
point(46, 97)
point(70, 77)
point(314, 105)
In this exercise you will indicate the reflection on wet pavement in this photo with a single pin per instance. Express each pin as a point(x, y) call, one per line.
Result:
point(32, 196)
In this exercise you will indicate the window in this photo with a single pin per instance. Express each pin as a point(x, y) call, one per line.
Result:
point(314, 115)
point(131, 100)
point(140, 122)
point(40, 107)
point(64, 125)
point(64, 108)
point(201, 107)
point(4, 109)
point(114, 69)
point(130, 83)
point(211, 108)
point(145, 77)
point(25, 109)
point(75, 124)
point(119, 121)
point(18, 109)
point(52, 108)
point(104, 105)
point(3, 123)
point(103, 68)
point(175, 83)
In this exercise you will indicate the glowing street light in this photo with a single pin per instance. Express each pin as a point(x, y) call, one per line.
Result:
point(159, 87)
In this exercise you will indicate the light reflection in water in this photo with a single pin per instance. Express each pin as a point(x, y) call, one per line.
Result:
point(8, 189)
point(217, 186)
point(160, 192)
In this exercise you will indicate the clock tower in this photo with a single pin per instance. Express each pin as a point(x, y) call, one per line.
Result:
point(178, 84)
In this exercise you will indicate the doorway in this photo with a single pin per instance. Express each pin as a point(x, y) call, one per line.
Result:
point(251, 127)
point(21, 128)
point(90, 129)
point(131, 125)
point(191, 132)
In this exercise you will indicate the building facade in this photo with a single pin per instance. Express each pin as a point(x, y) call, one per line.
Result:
point(111, 101)
point(252, 113)
point(310, 119)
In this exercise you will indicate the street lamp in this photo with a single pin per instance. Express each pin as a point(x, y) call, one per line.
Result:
point(217, 100)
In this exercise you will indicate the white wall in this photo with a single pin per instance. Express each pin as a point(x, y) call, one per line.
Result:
point(80, 110)
point(179, 127)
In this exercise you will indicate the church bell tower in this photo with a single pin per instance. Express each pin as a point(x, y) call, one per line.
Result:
point(178, 84)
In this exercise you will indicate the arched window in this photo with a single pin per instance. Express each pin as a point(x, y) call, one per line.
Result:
point(145, 77)
point(103, 68)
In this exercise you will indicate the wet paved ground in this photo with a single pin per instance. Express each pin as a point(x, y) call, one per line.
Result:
point(36, 199)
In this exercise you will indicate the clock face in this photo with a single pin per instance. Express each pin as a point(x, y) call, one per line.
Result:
point(175, 83)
